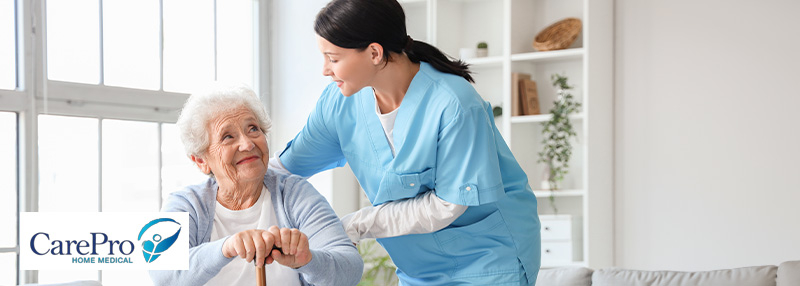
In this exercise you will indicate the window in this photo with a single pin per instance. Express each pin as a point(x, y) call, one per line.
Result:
point(116, 73)
point(8, 46)
point(8, 198)
point(131, 43)
point(68, 169)
point(203, 40)
point(177, 171)
point(8, 180)
point(130, 166)
point(8, 268)
point(235, 46)
point(73, 41)
point(62, 276)
point(188, 43)
point(135, 174)
point(126, 277)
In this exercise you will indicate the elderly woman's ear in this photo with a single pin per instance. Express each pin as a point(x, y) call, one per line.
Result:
point(202, 164)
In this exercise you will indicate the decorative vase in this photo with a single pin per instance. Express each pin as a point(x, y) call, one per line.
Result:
point(482, 52)
point(545, 184)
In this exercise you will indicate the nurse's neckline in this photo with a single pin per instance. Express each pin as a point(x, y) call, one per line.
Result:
point(389, 103)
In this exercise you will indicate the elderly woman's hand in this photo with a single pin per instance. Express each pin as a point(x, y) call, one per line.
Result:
point(294, 244)
point(249, 244)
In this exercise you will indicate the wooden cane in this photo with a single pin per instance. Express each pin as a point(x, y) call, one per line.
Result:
point(261, 271)
point(261, 275)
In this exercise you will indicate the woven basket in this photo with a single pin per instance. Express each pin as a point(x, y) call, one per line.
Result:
point(558, 36)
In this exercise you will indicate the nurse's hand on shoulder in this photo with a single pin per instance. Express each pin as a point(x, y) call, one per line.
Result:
point(249, 244)
point(294, 245)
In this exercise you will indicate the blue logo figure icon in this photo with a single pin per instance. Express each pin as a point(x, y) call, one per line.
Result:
point(152, 249)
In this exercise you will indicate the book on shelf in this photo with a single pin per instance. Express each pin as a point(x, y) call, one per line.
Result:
point(529, 97)
point(516, 95)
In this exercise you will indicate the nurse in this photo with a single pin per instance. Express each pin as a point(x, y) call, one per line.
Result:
point(450, 204)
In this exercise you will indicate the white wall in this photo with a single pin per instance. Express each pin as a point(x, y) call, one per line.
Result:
point(297, 82)
point(707, 133)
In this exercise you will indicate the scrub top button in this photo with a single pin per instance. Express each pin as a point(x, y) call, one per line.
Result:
point(412, 184)
point(469, 188)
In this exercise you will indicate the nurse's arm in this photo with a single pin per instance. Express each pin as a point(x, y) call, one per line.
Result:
point(424, 213)
point(276, 165)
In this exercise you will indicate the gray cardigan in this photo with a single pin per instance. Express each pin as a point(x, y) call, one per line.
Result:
point(335, 261)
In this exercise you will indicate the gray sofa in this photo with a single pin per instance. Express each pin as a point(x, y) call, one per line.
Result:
point(786, 274)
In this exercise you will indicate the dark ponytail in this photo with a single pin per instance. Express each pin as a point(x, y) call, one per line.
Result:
point(421, 51)
point(355, 24)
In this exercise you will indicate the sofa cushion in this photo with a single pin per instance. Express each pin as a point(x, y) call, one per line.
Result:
point(748, 276)
point(789, 273)
point(75, 283)
point(572, 276)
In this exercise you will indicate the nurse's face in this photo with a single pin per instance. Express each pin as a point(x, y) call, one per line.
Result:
point(351, 69)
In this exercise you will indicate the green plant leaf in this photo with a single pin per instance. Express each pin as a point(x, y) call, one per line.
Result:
point(556, 133)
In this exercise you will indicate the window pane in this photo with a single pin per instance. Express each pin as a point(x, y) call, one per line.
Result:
point(235, 28)
point(64, 276)
point(73, 40)
point(188, 44)
point(130, 43)
point(8, 60)
point(130, 166)
point(126, 278)
point(8, 180)
point(177, 170)
point(67, 164)
point(8, 268)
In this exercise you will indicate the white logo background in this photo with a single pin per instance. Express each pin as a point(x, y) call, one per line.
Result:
point(74, 230)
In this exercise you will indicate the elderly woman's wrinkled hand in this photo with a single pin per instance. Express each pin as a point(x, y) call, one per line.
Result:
point(294, 243)
point(249, 244)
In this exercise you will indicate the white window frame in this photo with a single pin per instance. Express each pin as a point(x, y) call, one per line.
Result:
point(36, 95)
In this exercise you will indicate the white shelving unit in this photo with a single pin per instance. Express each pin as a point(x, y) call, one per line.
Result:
point(508, 27)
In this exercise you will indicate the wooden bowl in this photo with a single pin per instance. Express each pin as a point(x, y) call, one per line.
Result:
point(558, 36)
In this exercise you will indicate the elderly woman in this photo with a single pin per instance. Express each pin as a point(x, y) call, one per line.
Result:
point(244, 209)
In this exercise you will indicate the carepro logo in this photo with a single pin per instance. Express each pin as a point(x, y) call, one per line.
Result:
point(152, 249)
point(100, 241)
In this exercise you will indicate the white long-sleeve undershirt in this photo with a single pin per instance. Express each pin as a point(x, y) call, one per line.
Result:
point(424, 213)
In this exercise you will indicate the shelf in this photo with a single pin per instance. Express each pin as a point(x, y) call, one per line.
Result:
point(412, 3)
point(485, 62)
point(567, 264)
point(508, 27)
point(540, 118)
point(559, 55)
point(559, 193)
point(467, 1)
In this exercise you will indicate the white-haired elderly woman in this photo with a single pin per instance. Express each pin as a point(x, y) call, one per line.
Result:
point(244, 209)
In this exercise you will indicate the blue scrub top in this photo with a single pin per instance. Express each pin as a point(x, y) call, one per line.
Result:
point(446, 141)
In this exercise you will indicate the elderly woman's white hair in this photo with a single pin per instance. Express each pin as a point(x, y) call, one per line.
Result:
point(206, 105)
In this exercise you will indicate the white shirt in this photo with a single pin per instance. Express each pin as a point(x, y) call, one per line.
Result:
point(387, 121)
point(229, 222)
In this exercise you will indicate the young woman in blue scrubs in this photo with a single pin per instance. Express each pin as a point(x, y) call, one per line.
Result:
point(451, 205)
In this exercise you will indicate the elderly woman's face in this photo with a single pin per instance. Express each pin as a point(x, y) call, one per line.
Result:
point(237, 149)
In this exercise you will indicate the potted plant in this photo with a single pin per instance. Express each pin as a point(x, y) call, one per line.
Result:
point(483, 49)
point(378, 266)
point(556, 134)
